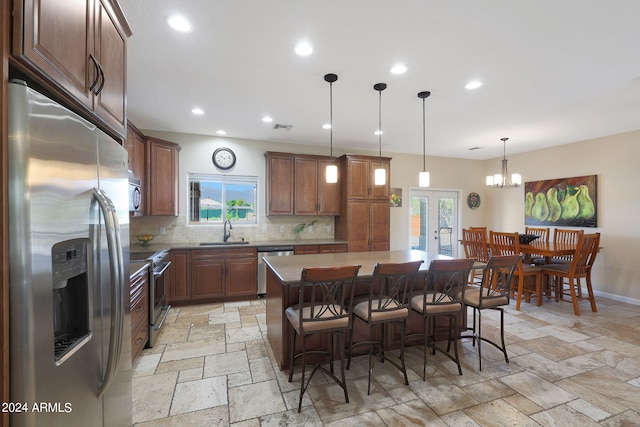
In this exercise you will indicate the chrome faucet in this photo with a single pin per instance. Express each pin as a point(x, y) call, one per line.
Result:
point(227, 233)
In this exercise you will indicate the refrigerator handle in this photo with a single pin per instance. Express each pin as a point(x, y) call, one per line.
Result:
point(116, 264)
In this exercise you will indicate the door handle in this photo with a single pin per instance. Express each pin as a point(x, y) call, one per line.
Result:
point(95, 65)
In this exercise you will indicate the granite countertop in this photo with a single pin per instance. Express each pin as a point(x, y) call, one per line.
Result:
point(289, 269)
point(155, 247)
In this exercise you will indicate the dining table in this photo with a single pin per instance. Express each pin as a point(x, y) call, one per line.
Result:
point(545, 249)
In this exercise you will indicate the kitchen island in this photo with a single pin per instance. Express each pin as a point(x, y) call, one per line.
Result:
point(283, 281)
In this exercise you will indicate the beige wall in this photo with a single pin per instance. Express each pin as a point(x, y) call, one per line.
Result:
point(612, 158)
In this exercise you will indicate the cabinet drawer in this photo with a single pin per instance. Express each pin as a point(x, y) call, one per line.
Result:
point(332, 249)
point(139, 338)
point(140, 308)
point(223, 253)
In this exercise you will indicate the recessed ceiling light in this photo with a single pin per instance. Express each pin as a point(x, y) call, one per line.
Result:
point(267, 119)
point(197, 111)
point(399, 69)
point(378, 132)
point(179, 23)
point(304, 49)
point(326, 126)
point(474, 84)
point(221, 132)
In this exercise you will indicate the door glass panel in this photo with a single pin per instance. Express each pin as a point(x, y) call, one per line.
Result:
point(433, 218)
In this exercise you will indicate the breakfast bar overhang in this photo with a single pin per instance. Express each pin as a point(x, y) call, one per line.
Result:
point(283, 280)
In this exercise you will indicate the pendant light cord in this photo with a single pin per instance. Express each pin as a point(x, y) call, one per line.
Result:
point(331, 119)
point(380, 125)
point(424, 143)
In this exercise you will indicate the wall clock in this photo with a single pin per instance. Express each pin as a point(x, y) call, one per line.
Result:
point(473, 200)
point(224, 158)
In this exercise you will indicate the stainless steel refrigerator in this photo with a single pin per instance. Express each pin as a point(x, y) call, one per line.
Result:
point(70, 341)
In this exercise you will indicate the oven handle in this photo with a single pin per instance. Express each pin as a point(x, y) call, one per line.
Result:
point(161, 268)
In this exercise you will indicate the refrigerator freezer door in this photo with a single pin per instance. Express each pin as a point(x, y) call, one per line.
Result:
point(53, 173)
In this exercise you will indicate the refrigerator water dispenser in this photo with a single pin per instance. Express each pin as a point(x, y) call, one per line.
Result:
point(70, 297)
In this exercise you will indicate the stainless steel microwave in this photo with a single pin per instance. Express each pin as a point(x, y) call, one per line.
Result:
point(135, 197)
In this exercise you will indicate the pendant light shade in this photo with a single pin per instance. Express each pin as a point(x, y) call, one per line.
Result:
point(423, 177)
point(502, 179)
point(331, 172)
point(380, 174)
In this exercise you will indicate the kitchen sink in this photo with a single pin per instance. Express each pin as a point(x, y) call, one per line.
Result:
point(244, 242)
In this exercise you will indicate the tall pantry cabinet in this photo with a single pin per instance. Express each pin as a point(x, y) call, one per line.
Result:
point(365, 216)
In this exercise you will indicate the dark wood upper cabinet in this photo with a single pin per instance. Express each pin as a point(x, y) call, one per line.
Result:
point(279, 183)
point(296, 185)
point(161, 183)
point(78, 46)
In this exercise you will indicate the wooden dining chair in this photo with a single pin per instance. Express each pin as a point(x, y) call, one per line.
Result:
point(567, 277)
point(443, 295)
point(493, 293)
point(388, 302)
point(543, 236)
point(325, 299)
point(505, 244)
point(474, 242)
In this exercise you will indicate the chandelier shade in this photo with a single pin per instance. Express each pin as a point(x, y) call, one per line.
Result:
point(502, 179)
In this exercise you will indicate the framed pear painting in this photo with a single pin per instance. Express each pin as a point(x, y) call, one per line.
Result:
point(564, 202)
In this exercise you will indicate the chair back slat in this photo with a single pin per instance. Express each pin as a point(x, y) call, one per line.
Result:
point(446, 281)
point(538, 231)
point(326, 293)
point(498, 277)
point(585, 254)
point(475, 244)
point(567, 237)
point(391, 286)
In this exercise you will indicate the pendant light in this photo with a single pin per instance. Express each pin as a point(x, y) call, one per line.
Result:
point(380, 174)
point(423, 177)
point(331, 173)
point(503, 179)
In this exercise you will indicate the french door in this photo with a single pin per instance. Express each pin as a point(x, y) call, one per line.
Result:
point(433, 215)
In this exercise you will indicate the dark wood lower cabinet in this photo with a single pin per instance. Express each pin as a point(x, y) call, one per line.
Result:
point(210, 275)
point(139, 304)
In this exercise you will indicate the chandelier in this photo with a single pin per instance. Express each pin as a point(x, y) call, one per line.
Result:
point(503, 179)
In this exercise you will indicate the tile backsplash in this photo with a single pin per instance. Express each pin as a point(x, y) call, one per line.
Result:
point(268, 229)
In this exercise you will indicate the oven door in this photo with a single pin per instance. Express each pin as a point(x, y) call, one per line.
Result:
point(159, 308)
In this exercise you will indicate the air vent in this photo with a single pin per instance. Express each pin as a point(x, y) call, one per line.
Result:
point(280, 126)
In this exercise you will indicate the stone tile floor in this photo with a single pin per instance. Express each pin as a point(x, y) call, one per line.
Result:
point(213, 366)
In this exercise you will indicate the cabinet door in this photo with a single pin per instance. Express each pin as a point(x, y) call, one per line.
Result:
point(358, 219)
point(179, 289)
point(306, 186)
point(162, 182)
point(242, 276)
point(358, 178)
point(279, 185)
point(379, 217)
point(58, 40)
point(207, 278)
point(328, 194)
point(110, 101)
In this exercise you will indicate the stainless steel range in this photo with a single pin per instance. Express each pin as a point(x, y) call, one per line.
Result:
point(158, 301)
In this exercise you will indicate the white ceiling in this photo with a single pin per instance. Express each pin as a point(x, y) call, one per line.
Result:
point(554, 72)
